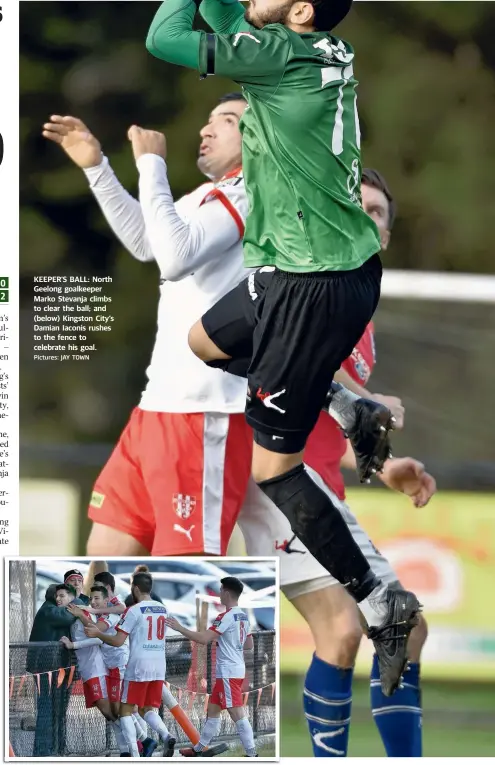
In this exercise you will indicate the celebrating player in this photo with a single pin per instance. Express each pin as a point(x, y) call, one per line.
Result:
point(144, 624)
point(89, 661)
point(231, 631)
point(327, 608)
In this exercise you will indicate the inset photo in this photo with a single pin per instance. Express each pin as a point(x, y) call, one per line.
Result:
point(159, 657)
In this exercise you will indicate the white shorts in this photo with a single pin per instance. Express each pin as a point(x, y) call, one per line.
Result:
point(267, 532)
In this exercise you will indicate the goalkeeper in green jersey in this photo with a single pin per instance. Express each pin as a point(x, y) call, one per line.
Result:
point(302, 168)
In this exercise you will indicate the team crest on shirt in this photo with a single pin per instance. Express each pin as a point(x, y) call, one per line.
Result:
point(183, 505)
point(362, 369)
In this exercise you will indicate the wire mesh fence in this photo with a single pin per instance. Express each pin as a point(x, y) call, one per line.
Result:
point(48, 715)
point(22, 599)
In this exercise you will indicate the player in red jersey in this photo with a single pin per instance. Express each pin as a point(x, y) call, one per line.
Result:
point(144, 624)
point(230, 630)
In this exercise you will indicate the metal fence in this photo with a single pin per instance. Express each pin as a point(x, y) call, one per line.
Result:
point(22, 599)
point(48, 716)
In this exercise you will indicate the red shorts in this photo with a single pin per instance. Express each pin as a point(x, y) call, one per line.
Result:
point(114, 683)
point(146, 694)
point(94, 690)
point(176, 482)
point(227, 692)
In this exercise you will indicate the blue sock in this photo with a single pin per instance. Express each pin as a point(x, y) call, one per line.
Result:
point(327, 706)
point(398, 717)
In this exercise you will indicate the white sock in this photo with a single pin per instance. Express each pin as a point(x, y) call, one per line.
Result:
point(375, 607)
point(153, 719)
point(119, 737)
point(129, 731)
point(210, 730)
point(246, 735)
point(140, 725)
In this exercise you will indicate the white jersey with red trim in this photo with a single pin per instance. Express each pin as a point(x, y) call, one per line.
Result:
point(145, 625)
point(177, 380)
point(89, 658)
point(232, 628)
point(114, 656)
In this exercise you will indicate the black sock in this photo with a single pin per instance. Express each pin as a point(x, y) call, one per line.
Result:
point(238, 367)
point(320, 526)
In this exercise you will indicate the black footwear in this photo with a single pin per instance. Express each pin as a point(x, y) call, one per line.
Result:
point(169, 748)
point(390, 638)
point(369, 437)
point(149, 746)
point(125, 754)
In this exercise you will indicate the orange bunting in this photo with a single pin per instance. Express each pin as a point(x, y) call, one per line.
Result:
point(11, 688)
point(49, 680)
point(71, 676)
point(38, 683)
point(21, 683)
point(260, 691)
point(60, 678)
point(179, 695)
point(191, 700)
point(273, 690)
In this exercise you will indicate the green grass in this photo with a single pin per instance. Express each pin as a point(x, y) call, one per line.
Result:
point(459, 721)
point(266, 749)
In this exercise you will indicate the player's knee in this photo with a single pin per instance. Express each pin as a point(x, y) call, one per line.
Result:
point(417, 639)
point(270, 466)
point(345, 632)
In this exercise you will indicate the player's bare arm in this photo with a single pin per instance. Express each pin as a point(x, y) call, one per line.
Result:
point(403, 474)
point(204, 637)
point(249, 644)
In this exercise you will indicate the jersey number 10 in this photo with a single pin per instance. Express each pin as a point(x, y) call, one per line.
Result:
point(334, 74)
point(160, 627)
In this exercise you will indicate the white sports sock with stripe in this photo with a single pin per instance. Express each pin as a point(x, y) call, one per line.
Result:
point(153, 719)
point(120, 738)
point(129, 731)
point(210, 730)
point(245, 732)
point(141, 727)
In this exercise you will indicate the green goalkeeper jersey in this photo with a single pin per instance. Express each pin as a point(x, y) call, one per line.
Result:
point(300, 146)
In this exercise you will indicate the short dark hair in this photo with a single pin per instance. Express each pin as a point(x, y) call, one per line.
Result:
point(376, 180)
point(67, 587)
point(237, 96)
point(105, 577)
point(100, 588)
point(329, 13)
point(141, 568)
point(143, 582)
point(232, 584)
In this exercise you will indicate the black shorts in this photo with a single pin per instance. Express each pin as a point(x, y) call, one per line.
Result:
point(298, 329)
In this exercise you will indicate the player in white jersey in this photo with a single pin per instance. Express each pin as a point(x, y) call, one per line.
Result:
point(145, 626)
point(175, 482)
point(230, 630)
point(109, 610)
point(89, 661)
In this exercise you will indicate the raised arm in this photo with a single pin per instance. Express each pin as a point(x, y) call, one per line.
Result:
point(225, 18)
point(121, 210)
point(253, 57)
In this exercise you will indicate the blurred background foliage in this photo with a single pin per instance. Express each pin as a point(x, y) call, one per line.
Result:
point(427, 106)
